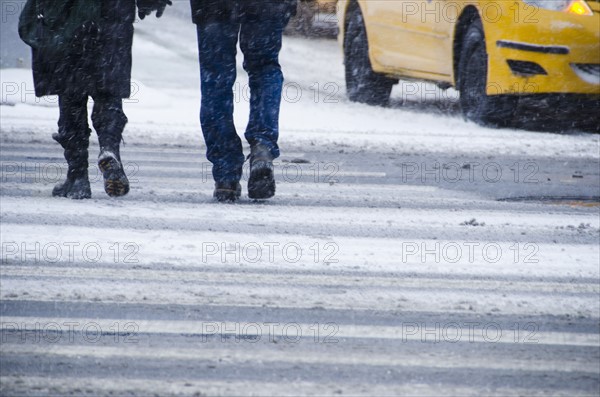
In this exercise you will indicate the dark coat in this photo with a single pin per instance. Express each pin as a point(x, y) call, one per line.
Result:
point(104, 69)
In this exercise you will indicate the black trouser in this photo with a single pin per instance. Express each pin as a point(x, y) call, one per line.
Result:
point(108, 120)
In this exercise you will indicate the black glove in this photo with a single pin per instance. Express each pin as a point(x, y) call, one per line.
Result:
point(145, 7)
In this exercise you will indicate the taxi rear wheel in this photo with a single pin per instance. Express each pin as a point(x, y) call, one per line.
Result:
point(476, 105)
point(362, 83)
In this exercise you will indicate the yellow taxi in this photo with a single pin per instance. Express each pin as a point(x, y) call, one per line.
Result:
point(493, 51)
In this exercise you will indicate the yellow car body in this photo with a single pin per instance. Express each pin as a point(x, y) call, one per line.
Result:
point(416, 39)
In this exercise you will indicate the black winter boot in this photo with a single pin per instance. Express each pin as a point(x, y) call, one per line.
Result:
point(77, 184)
point(109, 121)
point(227, 192)
point(116, 183)
point(261, 183)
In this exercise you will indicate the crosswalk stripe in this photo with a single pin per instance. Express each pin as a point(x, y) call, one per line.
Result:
point(297, 280)
point(450, 332)
point(195, 387)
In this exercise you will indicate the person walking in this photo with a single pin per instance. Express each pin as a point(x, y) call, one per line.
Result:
point(82, 49)
point(259, 25)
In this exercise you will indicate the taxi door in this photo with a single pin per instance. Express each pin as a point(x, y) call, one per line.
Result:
point(411, 36)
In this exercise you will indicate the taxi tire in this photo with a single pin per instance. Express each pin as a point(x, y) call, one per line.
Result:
point(476, 105)
point(362, 83)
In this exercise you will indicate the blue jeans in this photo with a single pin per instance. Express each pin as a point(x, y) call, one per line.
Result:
point(259, 26)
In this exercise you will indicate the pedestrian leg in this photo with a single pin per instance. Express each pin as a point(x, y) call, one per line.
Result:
point(74, 136)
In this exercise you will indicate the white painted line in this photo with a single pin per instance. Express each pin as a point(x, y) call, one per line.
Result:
point(22, 385)
point(490, 333)
point(292, 280)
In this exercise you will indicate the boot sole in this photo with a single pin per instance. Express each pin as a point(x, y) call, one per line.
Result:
point(116, 183)
point(79, 196)
point(68, 193)
point(261, 184)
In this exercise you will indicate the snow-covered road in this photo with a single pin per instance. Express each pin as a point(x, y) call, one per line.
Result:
point(361, 286)
point(389, 263)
